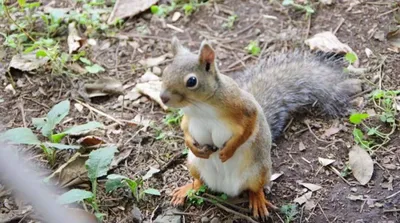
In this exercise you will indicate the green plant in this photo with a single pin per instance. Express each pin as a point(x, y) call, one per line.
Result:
point(290, 211)
point(163, 10)
point(174, 117)
point(372, 137)
point(253, 48)
point(38, 32)
point(231, 21)
point(47, 126)
point(306, 8)
point(194, 195)
point(135, 186)
point(97, 166)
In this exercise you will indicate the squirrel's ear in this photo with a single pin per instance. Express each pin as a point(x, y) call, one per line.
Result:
point(207, 55)
point(176, 45)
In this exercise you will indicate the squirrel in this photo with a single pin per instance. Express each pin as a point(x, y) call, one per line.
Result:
point(242, 114)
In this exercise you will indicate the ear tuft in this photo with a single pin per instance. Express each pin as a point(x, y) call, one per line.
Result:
point(207, 54)
point(176, 45)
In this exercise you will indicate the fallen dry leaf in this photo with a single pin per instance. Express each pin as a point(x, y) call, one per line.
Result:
point(331, 131)
point(276, 176)
point(361, 164)
point(326, 2)
point(310, 204)
point(355, 197)
point(120, 157)
point(73, 38)
point(154, 61)
point(148, 76)
point(151, 89)
point(73, 169)
point(27, 62)
point(91, 141)
point(311, 187)
point(393, 38)
point(103, 87)
point(304, 198)
point(325, 162)
point(176, 16)
point(328, 42)
point(128, 8)
point(302, 147)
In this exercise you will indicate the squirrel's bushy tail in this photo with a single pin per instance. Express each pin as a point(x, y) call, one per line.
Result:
point(287, 82)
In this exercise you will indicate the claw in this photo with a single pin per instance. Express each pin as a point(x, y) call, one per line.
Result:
point(179, 194)
point(259, 205)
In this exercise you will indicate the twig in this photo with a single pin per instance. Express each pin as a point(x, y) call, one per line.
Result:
point(315, 136)
point(184, 213)
point(238, 61)
point(392, 210)
point(308, 27)
point(337, 173)
point(388, 12)
point(170, 162)
point(327, 220)
point(390, 196)
point(99, 112)
point(32, 100)
point(21, 106)
point(279, 217)
point(249, 219)
point(247, 28)
point(340, 25)
point(227, 203)
point(15, 23)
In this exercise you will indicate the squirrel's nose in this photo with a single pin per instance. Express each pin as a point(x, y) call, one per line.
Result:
point(164, 97)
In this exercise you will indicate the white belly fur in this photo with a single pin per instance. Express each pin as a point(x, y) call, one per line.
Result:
point(226, 177)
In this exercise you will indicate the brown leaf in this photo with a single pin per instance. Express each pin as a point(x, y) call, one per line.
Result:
point(276, 176)
point(152, 90)
point(331, 131)
point(304, 198)
point(325, 162)
point(73, 38)
point(27, 62)
point(312, 187)
point(155, 61)
point(328, 42)
point(394, 38)
point(361, 164)
point(103, 87)
point(73, 169)
point(120, 157)
point(127, 8)
point(91, 141)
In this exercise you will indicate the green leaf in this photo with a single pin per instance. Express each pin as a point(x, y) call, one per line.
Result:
point(372, 131)
point(21, 3)
point(61, 146)
point(85, 61)
point(133, 186)
point(114, 182)
point(19, 136)
point(73, 196)
point(224, 197)
point(253, 48)
point(152, 191)
point(99, 162)
point(57, 14)
point(56, 138)
point(357, 118)
point(287, 2)
point(79, 129)
point(94, 69)
point(41, 53)
point(351, 57)
point(55, 115)
point(154, 9)
point(150, 173)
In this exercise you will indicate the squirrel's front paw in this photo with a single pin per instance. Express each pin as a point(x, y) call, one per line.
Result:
point(224, 155)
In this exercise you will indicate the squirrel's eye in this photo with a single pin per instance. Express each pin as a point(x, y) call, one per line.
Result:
point(191, 82)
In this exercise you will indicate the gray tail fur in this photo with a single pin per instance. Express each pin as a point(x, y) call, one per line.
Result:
point(285, 83)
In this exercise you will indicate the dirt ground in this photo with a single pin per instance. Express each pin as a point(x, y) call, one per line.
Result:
point(277, 29)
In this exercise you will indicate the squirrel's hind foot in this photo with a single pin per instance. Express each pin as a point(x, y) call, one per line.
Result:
point(259, 204)
point(179, 194)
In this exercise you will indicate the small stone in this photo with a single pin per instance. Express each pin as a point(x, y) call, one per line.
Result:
point(215, 220)
point(157, 71)
point(136, 215)
point(169, 217)
point(205, 219)
point(176, 16)
point(353, 189)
